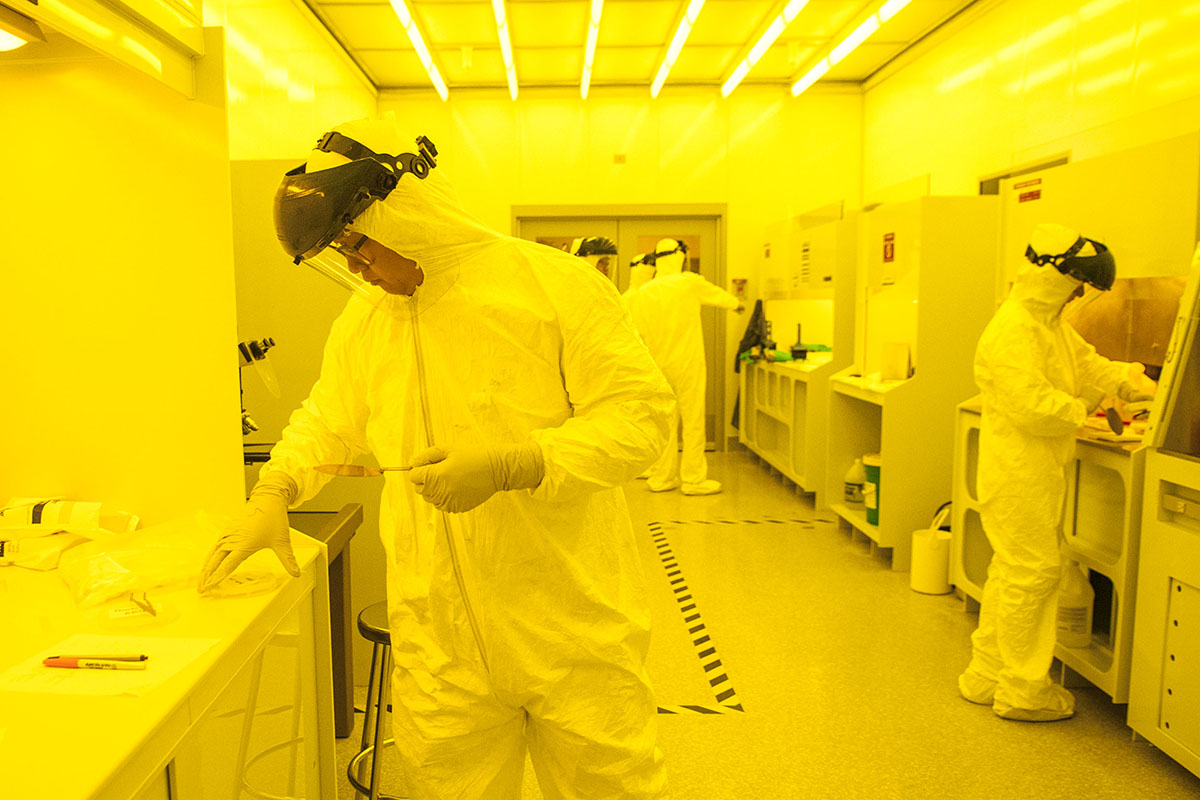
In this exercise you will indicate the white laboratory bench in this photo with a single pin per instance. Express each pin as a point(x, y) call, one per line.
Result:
point(252, 709)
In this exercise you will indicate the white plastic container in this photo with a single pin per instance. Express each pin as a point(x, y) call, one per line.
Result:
point(856, 476)
point(1076, 599)
point(929, 572)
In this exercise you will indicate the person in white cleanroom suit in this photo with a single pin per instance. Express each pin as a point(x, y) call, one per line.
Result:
point(1039, 381)
point(599, 251)
point(641, 272)
point(669, 321)
point(508, 374)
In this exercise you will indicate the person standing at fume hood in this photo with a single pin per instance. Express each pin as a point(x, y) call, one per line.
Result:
point(668, 318)
point(1039, 381)
point(508, 375)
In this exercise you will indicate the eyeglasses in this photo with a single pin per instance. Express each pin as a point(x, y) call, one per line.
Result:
point(350, 251)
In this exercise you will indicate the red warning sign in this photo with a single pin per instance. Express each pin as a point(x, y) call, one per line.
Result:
point(1026, 197)
point(889, 247)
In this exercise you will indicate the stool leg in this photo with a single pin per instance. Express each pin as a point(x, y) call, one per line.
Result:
point(385, 681)
point(248, 720)
point(372, 686)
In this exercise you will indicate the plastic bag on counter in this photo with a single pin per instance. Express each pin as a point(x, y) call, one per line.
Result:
point(36, 531)
point(163, 555)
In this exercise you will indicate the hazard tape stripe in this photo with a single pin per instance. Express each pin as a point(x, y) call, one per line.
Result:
point(718, 678)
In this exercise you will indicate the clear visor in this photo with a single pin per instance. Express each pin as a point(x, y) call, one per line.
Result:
point(1078, 306)
point(345, 269)
point(603, 263)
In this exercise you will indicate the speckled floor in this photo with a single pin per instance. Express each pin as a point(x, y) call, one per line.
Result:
point(846, 677)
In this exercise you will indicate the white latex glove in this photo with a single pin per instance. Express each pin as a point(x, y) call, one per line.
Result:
point(1092, 397)
point(263, 523)
point(1131, 394)
point(459, 478)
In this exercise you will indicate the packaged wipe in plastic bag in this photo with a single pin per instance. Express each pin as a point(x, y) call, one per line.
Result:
point(163, 555)
point(36, 531)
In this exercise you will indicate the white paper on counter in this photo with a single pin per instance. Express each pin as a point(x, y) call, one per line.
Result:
point(167, 657)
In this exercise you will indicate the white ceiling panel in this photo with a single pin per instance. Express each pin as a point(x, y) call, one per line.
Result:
point(625, 65)
point(549, 36)
point(549, 67)
point(456, 23)
point(370, 27)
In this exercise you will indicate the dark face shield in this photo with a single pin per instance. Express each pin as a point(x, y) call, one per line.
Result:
point(312, 209)
point(1098, 270)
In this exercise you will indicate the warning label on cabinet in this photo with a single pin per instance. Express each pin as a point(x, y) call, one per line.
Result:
point(889, 247)
point(1026, 197)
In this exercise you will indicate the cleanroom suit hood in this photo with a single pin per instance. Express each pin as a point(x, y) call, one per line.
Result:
point(504, 342)
point(1031, 368)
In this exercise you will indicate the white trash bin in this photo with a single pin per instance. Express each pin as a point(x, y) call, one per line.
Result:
point(930, 572)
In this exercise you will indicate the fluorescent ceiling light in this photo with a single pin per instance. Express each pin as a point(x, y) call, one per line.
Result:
point(886, 10)
point(17, 30)
point(889, 9)
point(589, 52)
point(505, 46)
point(418, 43)
point(860, 34)
point(681, 34)
point(777, 26)
point(811, 77)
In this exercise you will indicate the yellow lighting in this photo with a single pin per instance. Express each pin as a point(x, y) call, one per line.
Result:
point(681, 34)
point(510, 71)
point(763, 44)
point(589, 53)
point(766, 40)
point(811, 77)
point(735, 78)
point(869, 26)
point(17, 30)
point(141, 51)
point(891, 8)
point(792, 9)
point(418, 43)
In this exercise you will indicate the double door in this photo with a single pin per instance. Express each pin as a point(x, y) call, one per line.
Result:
point(635, 235)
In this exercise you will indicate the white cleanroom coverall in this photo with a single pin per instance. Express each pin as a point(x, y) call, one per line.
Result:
point(1032, 369)
point(504, 341)
point(667, 313)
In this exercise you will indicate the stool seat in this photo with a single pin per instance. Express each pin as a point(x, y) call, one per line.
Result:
point(373, 623)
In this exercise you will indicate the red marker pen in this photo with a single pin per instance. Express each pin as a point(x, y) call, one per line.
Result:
point(91, 663)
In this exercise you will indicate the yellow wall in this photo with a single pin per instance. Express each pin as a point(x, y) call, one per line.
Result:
point(762, 152)
point(117, 333)
point(1033, 78)
point(287, 84)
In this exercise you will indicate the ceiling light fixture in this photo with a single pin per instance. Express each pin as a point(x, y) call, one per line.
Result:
point(418, 43)
point(860, 34)
point(590, 52)
point(681, 33)
point(505, 46)
point(17, 30)
point(777, 26)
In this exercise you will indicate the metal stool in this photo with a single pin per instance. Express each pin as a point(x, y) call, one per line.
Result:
point(373, 625)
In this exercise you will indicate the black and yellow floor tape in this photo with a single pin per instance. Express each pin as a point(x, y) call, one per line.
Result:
point(724, 696)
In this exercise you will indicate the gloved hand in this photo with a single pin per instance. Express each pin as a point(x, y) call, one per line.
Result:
point(1137, 402)
point(263, 523)
point(459, 478)
point(1131, 394)
point(1092, 397)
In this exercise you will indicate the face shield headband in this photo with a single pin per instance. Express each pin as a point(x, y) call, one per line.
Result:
point(1099, 270)
point(312, 209)
point(679, 247)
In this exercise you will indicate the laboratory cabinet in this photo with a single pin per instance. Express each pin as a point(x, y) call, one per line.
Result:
point(241, 705)
point(1164, 698)
point(926, 272)
point(1101, 527)
point(785, 404)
